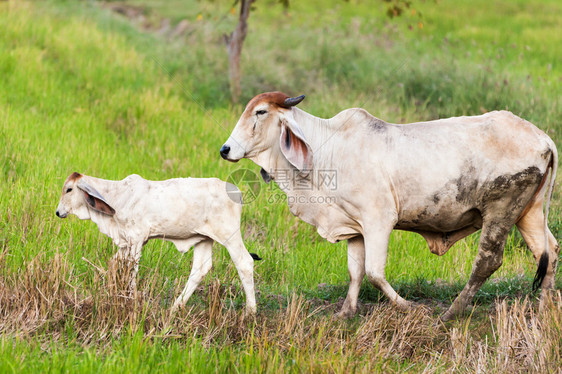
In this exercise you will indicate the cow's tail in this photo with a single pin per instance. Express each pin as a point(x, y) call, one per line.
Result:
point(543, 262)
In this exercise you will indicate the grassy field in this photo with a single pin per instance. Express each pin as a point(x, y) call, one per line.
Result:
point(83, 89)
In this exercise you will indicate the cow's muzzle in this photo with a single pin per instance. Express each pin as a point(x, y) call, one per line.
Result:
point(225, 149)
point(232, 151)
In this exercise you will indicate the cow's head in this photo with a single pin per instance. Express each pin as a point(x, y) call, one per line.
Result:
point(268, 124)
point(78, 197)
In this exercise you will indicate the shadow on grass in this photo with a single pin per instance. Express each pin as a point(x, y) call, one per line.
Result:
point(428, 292)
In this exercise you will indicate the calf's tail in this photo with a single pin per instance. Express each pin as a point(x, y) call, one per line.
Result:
point(255, 256)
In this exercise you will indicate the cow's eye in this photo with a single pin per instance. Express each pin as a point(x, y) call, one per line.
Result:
point(68, 189)
point(260, 112)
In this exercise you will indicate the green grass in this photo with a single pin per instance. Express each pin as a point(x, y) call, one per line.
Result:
point(84, 90)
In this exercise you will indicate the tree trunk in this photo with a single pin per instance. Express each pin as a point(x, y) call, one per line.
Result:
point(234, 43)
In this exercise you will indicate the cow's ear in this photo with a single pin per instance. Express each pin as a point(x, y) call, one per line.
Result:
point(294, 146)
point(94, 199)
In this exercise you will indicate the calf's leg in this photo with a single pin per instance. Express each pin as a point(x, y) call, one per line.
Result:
point(244, 264)
point(202, 263)
point(128, 258)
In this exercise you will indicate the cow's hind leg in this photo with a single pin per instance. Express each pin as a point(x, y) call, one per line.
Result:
point(531, 226)
point(488, 260)
point(202, 263)
point(356, 267)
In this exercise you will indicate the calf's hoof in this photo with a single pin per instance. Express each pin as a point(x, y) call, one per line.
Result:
point(250, 313)
point(176, 307)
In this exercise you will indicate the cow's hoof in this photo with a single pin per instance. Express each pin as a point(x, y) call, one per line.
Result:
point(405, 306)
point(345, 314)
point(546, 298)
point(448, 315)
point(420, 307)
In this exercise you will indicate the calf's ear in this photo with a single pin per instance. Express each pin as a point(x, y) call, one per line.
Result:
point(294, 146)
point(265, 176)
point(94, 199)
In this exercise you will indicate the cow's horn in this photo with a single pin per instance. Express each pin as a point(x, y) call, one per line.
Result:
point(292, 101)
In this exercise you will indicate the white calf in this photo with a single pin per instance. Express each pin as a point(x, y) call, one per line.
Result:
point(189, 212)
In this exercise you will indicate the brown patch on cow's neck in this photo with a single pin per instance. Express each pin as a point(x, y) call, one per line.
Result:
point(276, 98)
point(73, 177)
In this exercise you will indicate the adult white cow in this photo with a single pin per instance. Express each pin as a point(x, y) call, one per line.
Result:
point(443, 179)
point(189, 212)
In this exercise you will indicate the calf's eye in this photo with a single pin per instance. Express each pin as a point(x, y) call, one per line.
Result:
point(68, 189)
point(260, 112)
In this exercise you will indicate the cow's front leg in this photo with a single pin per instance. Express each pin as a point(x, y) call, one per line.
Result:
point(376, 248)
point(356, 268)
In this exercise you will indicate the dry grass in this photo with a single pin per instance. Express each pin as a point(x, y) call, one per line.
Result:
point(74, 75)
point(521, 340)
point(40, 302)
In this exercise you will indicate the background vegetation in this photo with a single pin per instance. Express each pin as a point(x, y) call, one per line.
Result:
point(85, 88)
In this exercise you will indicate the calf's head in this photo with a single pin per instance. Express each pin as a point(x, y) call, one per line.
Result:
point(78, 197)
point(268, 123)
